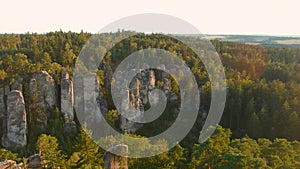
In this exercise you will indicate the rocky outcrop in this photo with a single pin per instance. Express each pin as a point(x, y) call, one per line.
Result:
point(10, 164)
point(18, 84)
point(2, 104)
point(87, 93)
point(67, 102)
point(16, 121)
point(136, 97)
point(102, 103)
point(131, 103)
point(112, 161)
point(67, 98)
point(167, 90)
point(43, 85)
point(42, 94)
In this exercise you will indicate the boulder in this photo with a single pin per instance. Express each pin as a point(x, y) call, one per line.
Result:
point(35, 161)
point(10, 164)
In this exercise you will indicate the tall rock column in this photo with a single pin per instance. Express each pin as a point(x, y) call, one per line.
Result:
point(67, 98)
point(67, 102)
point(86, 94)
point(16, 121)
point(2, 113)
point(2, 104)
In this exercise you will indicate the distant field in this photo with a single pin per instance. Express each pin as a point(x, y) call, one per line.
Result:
point(289, 42)
point(286, 41)
point(214, 37)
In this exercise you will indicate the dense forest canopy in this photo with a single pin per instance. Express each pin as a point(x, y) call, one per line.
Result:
point(260, 121)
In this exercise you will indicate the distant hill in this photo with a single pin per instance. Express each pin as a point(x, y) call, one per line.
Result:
point(265, 40)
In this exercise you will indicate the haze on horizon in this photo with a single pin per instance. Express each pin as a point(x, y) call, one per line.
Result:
point(210, 17)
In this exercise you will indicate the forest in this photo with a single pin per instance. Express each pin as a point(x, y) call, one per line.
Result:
point(258, 129)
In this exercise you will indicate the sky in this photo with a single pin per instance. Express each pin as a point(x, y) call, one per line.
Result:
point(259, 17)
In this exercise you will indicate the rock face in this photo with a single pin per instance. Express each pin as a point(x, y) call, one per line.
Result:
point(167, 89)
point(67, 102)
point(137, 96)
point(87, 97)
point(2, 112)
point(2, 104)
point(17, 85)
point(67, 98)
point(42, 96)
point(112, 161)
point(10, 164)
point(16, 121)
point(43, 85)
point(135, 99)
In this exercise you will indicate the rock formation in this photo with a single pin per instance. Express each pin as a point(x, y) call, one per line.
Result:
point(87, 97)
point(35, 161)
point(67, 102)
point(2, 104)
point(16, 121)
point(67, 98)
point(18, 84)
point(42, 93)
point(43, 85)
point(10, 164)
point(135, 99)
point(167, 89)
point(3, 111)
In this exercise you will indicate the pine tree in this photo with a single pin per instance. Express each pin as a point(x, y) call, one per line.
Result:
point(88, 152)
point(47, 147)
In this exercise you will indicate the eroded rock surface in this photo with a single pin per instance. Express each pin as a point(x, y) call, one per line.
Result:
point(18, 84)
point(16, 121)
point(43, 85)
point(135, 99)
point(87, 93)
point(42, 94)
point(2, 104)
point(67, 97)
point(10, 164)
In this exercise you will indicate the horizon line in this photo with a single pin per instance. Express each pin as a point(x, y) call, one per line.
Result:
point(205, 34)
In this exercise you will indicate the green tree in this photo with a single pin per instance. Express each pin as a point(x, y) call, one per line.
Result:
point(8, 155)
point(280, 154)
point(47, 147)
point(88, 154)
point(210, 153)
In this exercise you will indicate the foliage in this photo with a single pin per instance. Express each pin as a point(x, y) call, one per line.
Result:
point(262, 109)
point(7, 155)
point(87, 153)
point(47, 147)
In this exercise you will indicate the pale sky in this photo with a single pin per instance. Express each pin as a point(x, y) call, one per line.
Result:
point(270, 17)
